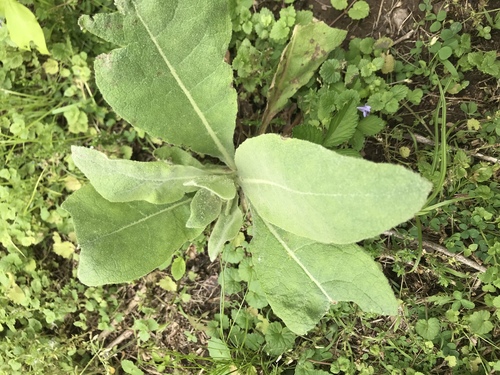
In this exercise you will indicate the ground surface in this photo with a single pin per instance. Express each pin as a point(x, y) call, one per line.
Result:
point(397, 20)
point(184, 315)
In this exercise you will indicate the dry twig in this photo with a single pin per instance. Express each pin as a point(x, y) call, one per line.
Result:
point(430, 142)
point(131, 306)
point(440, 249)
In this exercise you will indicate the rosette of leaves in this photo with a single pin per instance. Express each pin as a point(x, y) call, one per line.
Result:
point(309, 205)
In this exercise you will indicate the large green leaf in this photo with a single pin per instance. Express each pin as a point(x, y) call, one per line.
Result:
point(316, 193)
point(121, 242)
point(126, 180)
point(307, 50)
point(302, 278)
point(23, 26)
point(170, 78)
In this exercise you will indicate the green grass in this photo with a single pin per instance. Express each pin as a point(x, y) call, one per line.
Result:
point(444, 266)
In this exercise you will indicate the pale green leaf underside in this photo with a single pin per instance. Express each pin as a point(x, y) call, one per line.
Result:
point(302, 278)
point(220, 185)
point(170, 78)
point(225, 229)
point(126, 180)
point(176, 155)
point(121, 242)
point(316, 193)
point(205, 208)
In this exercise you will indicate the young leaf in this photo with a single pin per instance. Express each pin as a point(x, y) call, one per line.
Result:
point(178, 268)
point(312, 276)
point(205, 208)
point(218, 350)
point(326, 105)
point(428, 329)
point(130, 367)
point(306, 51)
point(339, 4)
point(479, 322)
point(342, 126)
point(371, 125)
point(220, 185)
point(23, 26)
point(225, 229)
point(359, 10)
point(170, 78)
point(121, 242)
point(126, 180)
point(176, 155)
point(278, 339)
point(316, 193)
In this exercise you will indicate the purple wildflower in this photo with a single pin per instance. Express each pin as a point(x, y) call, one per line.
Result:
point(365, 110)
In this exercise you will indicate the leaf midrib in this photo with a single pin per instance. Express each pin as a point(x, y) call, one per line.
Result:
point(225, 154)
point(292, 255)
point(137, 222)
point(257, 181)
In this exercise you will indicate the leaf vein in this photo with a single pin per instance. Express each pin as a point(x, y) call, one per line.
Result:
point(292, 255)
point(257, 181)
point(137, 222)
point(184, 89)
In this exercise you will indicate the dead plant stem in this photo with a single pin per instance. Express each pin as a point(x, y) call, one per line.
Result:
point(440, 249)
point(430, 142)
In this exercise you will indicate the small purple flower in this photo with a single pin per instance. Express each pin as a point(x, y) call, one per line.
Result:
point(365, 110)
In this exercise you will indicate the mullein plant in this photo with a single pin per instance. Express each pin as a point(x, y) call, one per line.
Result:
point(308, 205)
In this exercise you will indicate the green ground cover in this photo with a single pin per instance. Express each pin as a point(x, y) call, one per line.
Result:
point(433, 92)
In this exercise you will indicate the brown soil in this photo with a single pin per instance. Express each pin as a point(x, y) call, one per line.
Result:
point(387, 18)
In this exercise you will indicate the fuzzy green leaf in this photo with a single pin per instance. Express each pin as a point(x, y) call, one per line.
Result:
point(22, 26)
point(176, 155)
point(126, 180)
point(316, 193)
point(226, 228)
point(205, 208)
point(307, 50)
point(169, 78)
point(220, 185)
point(312, 276)
point(121, 242)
